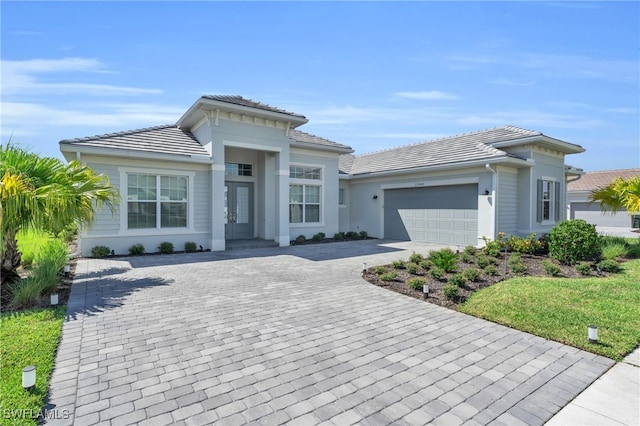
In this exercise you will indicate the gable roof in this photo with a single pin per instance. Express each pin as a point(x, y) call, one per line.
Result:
point(302, 138)
point(598, 179)
point(467, 147)
point(239, 100)
point(167, 139)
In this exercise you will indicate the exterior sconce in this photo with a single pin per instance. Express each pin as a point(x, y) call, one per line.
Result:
point(486, 192)
point(375, 197)
point(593, 334)
point(29, 377)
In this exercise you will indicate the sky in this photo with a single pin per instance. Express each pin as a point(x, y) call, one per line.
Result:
point(371, 75)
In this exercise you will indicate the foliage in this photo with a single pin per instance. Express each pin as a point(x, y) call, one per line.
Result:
point(379, 270)
point(444, 259)
point(584, 268)
point(416, 283)
point(165, 247)
point(389, 276)
point(529, 245)
point(613, 249)
point(190, 247)
point(397, 264)
point(466, 257)
point(483, 261)
point(470, 250)
point(28, 338)
point(574, 240)
point(426, 264)
point(491, 270)
point(412, 268)
point(493, 247)
point(363, 235)
point(352, 235)
point(100, 251)
point(551, 268)
point(339, 236)
point(416, 258)
point(516, 264)
point(137, 249)
point(437, 273)
point(450, 291)
point(29, 243)
point(609, 265)
point(619, 195)
point(319, 236)
point(457, 280)
point(472, 274)
point(561, 308)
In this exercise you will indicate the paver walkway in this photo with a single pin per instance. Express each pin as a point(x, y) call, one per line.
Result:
point(293, 335)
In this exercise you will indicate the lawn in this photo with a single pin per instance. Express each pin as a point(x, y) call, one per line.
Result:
point(28, 338)
point(560, 309)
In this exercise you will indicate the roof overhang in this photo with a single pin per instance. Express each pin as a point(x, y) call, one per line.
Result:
point(70, 152)
point(318, 147)
point(542, 140)
point(203, 105)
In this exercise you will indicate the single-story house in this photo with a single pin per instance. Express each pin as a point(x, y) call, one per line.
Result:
point(233, 168)
point(579, 206)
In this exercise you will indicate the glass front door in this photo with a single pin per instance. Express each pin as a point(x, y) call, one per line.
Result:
point(238, 210)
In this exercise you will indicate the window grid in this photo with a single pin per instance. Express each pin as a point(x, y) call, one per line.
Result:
point(146, 210)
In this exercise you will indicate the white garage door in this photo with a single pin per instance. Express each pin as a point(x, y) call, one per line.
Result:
point(592, 214)
point(437, 214)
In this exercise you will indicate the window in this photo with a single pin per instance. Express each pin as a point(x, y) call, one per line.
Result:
point(548, 200)
point(155, 201)
point(238, 169)
point(341, 199)
point(305, 194)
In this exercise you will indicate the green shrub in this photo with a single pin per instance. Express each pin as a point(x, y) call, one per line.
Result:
point(609, 265)
point(165, 247)
point(319, 236)
point(470, 250)
point(398, 264)
point(339, 236)
point(25, 292)
point(300, 239)
point(472, 274)
point(136, 249)
point(450, 291)
point(412, 268)
point(457, 280)
point(364, 235)
point(491, 270)
point(100, 251)
point(584, 268)
point(437, 273)
point(551, 268)
point(516, 264)
point(493, 247)
point(352, 235)
point(529, 245)
point(483, 261)
point(416, 283)
point(574, 240)
point(416, 258)
point(613, 249)
point(55, 252)
point(426, 264)
point(444, 259)
point(27, 259)
point(379, 270)
point(389, 276)
point(466, 257)
point(190, 247)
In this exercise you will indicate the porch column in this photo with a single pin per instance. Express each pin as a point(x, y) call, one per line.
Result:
point(217, 198)
point(282, 197)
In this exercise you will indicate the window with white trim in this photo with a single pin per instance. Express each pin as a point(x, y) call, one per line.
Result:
point(305, 194)
point(156, 201)
point(341, 197)
point(548, 200)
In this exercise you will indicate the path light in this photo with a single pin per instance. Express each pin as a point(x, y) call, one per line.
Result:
point(425, 290)
point(54, 298)
point(29, 377)
point(364, 267)
point(67, 269)
point(593, 334)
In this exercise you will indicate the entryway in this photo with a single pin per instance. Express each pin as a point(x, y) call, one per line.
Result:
point(238, 210)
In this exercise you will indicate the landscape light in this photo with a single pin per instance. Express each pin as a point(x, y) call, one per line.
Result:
point(364, 267)
point(54, 298)
point(67, 269)
point(29, 377)
point(593, 334)
point(425, 290)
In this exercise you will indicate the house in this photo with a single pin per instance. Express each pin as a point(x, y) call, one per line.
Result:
point(579, 207)
point(233, 168)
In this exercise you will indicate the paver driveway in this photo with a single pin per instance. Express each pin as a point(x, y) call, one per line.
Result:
point(293, 335)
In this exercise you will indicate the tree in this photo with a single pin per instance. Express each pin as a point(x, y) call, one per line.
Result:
point(45, 193)
point(619, 195)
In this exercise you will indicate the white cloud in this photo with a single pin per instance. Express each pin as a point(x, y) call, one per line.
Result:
point(427, 95)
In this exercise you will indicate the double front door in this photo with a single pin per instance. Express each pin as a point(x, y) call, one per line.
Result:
point(238, 210)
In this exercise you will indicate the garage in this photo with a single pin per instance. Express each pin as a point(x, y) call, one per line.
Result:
point(592, 214)
point(435, 214)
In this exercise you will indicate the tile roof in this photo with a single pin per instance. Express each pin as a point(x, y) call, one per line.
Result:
point(593, 180)
point(308, 138)
point(167, 139)
point(239, 100)
point(453, 149)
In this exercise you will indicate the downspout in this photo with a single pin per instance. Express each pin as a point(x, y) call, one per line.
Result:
point(494, 192)
point(567, 203)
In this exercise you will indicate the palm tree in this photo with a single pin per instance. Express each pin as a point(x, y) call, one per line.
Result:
point(619, 195)
point(44, 193)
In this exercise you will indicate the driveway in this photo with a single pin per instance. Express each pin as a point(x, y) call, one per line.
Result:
point(293, 335)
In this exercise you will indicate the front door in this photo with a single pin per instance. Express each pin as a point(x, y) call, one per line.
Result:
point(238, 210)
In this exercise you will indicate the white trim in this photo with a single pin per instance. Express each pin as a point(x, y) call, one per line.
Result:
point(309, 182)
point(283, 240)
point(549, 178)
point(253, 146)
point(218, 167)
point(438, 182)
point(282, 173)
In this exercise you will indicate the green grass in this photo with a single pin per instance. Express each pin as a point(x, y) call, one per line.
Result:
point(28, 338)
point(560, 309)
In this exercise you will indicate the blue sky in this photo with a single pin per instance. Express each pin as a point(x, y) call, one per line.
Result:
point(369, 75)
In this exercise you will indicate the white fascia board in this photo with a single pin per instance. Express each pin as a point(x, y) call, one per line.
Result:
point(136, 154)
point(566, 147)
point(317, 147)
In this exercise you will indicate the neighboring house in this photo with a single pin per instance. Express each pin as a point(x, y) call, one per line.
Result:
point(579, 207)
point(232, 168)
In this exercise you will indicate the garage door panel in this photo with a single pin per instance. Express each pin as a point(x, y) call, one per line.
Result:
point(591, 213)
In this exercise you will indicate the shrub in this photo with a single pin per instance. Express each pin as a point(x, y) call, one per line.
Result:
point(27, 259)
point(416, 258)
point(609, 265)
point(55, 252)
point(165, 247)
point(529, 245)
point(398, 264)
point(444, 259)
point(516, 264)
point(379, 270)
point(458, 280)
point(339, 236)
point(491, 270)
point(190, 247)
point(389, 276)
point(426, 264)
point(25, 292)
point(436, 273)
point(483, 261)
point(470, 250)
point(466, 257)
point(551, 268)
point(492, 248)
point(319, 236)
point(412, 268)
point(574, 240)
point(364, 235)
point(613, 249)
point(352, 235)
point(416, 283)
point(584, 268)
point(450, 291)
point(136, 249)
point(300, 239)
point(472, 274)
point(100, 251)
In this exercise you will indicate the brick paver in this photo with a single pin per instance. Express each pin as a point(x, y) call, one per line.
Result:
point(293, 335)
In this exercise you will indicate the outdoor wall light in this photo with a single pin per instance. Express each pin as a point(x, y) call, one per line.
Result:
point(593, 334)
point(67, 270)
point(54, 298)
point(29, 377)
point(375, 196)
point(486, 192)
point(425, 290)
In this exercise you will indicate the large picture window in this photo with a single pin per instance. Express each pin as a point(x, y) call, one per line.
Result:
point(155, 201)
point(305, 194)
